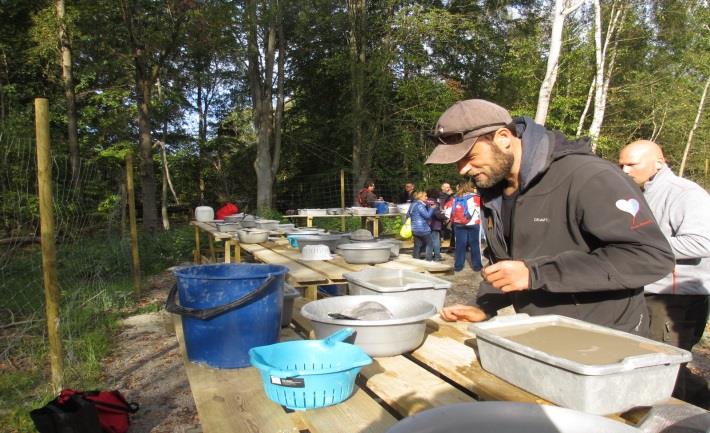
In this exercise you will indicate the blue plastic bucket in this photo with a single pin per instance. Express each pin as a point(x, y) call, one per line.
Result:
point(227, 309)
point(382, 207)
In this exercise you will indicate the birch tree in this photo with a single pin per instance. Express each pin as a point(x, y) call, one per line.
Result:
point(604, 68)
point(698, 116)
point(561, 10)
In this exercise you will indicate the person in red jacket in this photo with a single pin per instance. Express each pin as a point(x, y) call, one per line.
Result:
point(226, 210)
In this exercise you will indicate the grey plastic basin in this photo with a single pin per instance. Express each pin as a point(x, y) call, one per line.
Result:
point(507, 417)
point(403, 333)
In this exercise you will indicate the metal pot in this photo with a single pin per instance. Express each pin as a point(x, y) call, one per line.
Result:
point(252, 236)
point(394, 244)
point(403, 333)
point(507, 417)
point(365, 252)
point(248, 222)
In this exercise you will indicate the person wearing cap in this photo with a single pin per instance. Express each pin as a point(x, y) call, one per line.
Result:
point(567, 232)
point(677, 303)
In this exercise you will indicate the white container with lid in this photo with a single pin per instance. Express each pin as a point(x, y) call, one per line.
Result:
point(576, 364)
point(204, 214)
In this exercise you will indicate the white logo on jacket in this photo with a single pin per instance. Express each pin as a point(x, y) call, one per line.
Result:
point(541, 219)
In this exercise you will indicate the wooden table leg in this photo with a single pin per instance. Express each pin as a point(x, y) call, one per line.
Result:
point(211, 244)
point(237, 252)
point(309, 221)
point(227, 251)
point(376, 226)
point(311, 293)
point(197, 253)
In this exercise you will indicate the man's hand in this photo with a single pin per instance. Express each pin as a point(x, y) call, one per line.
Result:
point(464, 313)
point(507, 275)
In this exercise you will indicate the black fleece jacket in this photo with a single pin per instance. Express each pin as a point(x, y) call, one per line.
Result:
point(584, 231)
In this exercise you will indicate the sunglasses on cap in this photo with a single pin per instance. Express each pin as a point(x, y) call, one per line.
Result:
point(458, 136)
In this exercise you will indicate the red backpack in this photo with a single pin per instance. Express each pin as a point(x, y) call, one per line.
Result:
point(84, 412)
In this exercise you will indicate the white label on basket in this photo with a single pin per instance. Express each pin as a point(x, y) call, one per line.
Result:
point(291, 382)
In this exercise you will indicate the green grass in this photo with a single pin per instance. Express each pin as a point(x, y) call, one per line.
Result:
point(95, 293)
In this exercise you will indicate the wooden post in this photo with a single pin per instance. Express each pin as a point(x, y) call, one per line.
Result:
point(49, 250)
point(705, 177)
point(342, 198)
point(135, 258)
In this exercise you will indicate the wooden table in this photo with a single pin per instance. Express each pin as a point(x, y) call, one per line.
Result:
point(313, 273)
point(444, 370)
point(375, 218)
point(214, 235)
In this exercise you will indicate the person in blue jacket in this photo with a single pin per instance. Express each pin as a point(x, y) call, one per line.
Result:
point(421, 213)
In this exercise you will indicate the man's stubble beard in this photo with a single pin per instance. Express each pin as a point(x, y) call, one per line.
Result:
point(501, 167)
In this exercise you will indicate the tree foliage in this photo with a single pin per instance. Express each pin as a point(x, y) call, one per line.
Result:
point(419, 57)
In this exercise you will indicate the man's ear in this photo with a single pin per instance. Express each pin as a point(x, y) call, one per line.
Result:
point(503, 138)
point(659, 163)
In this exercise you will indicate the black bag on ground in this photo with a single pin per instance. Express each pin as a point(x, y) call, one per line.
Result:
point(73, 415)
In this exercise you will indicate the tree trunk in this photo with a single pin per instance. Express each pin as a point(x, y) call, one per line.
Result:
point(145, 148)
point(695, 126)
point(560, 11)
point(356, 45)
point(69, 95)
point(604, 69)
point(261, 79)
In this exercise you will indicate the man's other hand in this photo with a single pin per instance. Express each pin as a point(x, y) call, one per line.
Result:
point(508, 275)
point(463, 313)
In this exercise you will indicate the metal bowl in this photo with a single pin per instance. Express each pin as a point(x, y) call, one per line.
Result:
point(389, 337)
point(252, 236)
point(365, 252)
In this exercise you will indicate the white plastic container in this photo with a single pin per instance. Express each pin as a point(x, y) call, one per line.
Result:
point(204, 214)
point(578, 365)
point(398, 282)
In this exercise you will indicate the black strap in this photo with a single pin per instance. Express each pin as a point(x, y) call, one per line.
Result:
point(129, 408)
point(206, 314)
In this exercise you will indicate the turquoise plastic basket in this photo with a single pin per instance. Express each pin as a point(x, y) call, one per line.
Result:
point(309, 374)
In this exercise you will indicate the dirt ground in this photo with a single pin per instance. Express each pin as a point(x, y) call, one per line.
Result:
point(147, 367)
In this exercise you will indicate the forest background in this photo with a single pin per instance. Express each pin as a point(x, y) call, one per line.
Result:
point(265, 103)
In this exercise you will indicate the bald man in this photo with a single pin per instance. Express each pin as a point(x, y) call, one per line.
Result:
point(678, 303)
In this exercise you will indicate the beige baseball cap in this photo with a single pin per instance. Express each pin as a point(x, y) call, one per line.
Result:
point(460, 126)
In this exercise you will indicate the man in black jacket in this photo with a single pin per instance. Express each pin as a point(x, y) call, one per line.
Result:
point(568, 233)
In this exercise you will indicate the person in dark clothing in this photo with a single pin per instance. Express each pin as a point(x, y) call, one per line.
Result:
point(437, 221)
point(445, 196)
point(567, 232)
point(366, 197)
point(407, 195)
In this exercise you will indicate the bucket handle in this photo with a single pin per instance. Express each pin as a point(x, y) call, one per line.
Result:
point(195, 313)
point(338, 336)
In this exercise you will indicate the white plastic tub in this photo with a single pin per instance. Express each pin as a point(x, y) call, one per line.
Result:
point(398, 282)
point(578, 365)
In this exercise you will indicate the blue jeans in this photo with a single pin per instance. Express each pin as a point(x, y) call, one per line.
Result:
point(467, 236)
point(436, 243)
point(422, 240)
